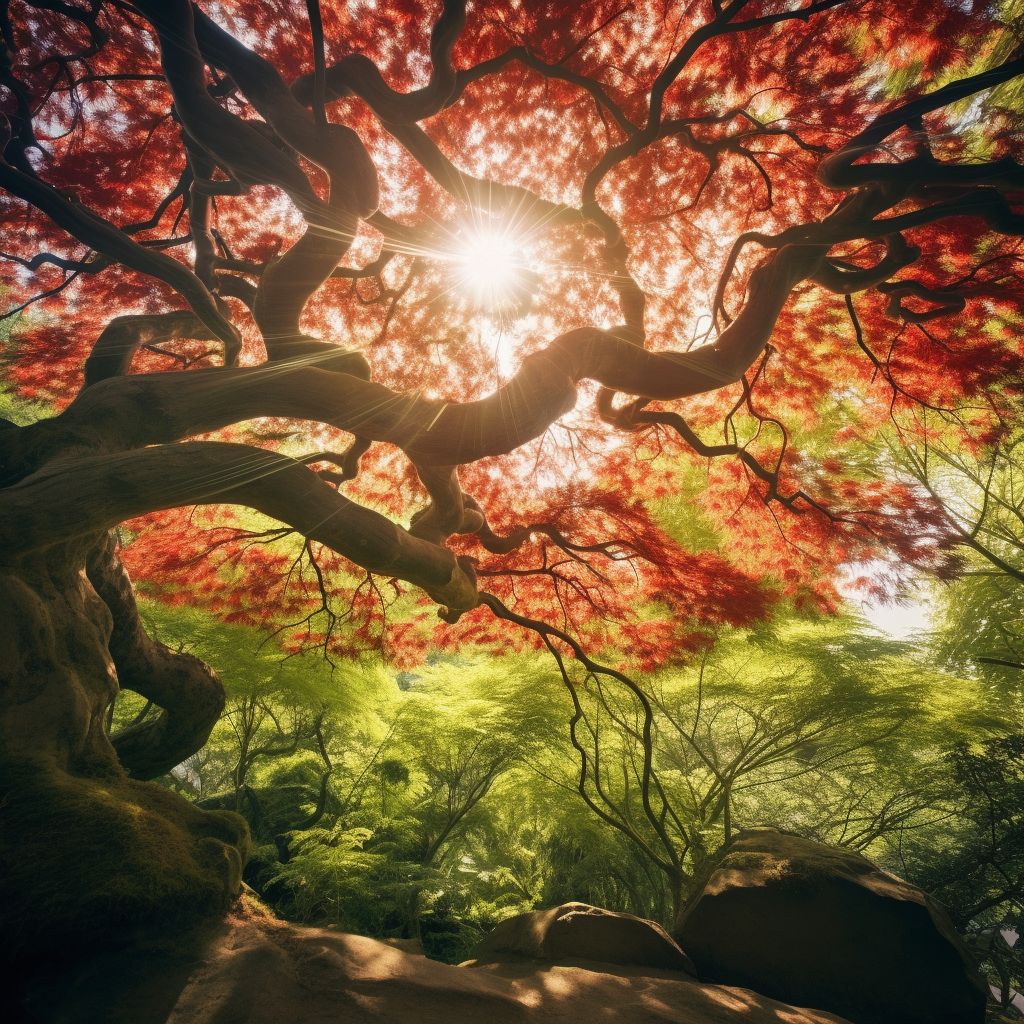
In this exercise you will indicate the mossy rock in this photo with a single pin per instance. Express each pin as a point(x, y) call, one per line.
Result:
point(84, 858)
point(814, 925)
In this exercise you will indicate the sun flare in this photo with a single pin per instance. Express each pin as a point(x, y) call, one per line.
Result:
point(490, 267)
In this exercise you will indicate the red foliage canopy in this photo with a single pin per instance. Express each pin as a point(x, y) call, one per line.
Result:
point(526, 199)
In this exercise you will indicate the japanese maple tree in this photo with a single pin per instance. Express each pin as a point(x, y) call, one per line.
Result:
point(579, 317)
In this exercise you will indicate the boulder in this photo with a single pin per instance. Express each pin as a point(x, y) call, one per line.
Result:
point(253, 969)
point(819, 926)
point(585, 932)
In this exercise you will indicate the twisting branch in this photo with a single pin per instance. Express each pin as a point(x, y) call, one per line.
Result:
point(92, 263)
point(47, 294)
point(798, 502)
point(100, 235)
point(884, 369)
point(179, 191)
point(186, 689)
point(491, 197)
point(235, 144)
point(839, 171)
point(667, 860)
point(316, 29)
point(947, 301)
point(358, 75)
point(556, 71)
point(721, 24)
point(123, 412)
point(330, 384)
point(288, 281)
point(112, 354)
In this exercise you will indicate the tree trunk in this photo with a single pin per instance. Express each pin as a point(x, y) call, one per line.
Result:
point(677, 884)
point(87, 848)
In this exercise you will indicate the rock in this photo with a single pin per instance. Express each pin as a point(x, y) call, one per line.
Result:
point(253, 969)
point(580, 930)
point(819, 926)
point(414, 946)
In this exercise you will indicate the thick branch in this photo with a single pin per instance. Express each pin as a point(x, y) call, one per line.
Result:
point(335, 148)
point(288, 282)
point(844, 279)
point(200, 211)
point(235, 144)
point(531, 211)
point(77, 496)
point(157, 408)
point(948, 301)
point(112, 354)
point(839, 172)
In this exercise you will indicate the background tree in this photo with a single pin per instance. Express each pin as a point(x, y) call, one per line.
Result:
point(791, 730)
point(971, 859)
point(977, 621)
point(301, 225)
point(461, 751)
point(425, 858)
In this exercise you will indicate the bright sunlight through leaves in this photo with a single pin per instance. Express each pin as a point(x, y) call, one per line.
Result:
point(490, 267)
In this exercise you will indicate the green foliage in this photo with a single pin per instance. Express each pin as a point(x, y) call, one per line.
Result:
point(14, 408)
point(248, 664)
point(972, 859)
point(348, 878)
point(18, 410)
point(437, 810)
point(971, 855)
point(979, 865)
point(979, 627)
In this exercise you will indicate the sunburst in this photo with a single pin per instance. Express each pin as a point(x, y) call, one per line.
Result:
point(491, 269)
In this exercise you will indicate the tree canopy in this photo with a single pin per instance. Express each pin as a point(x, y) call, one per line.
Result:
point(597, 196)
